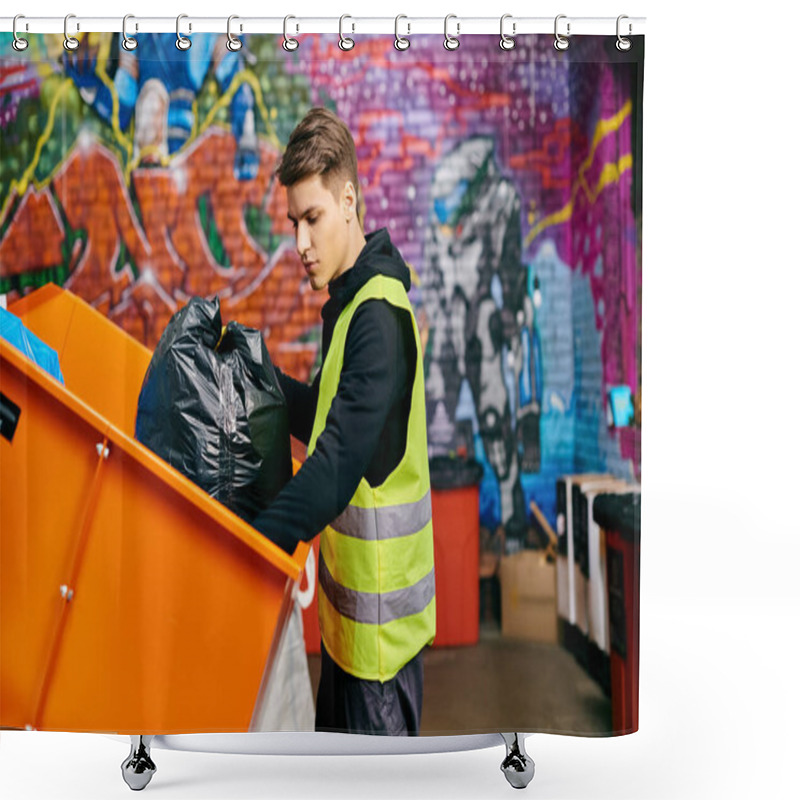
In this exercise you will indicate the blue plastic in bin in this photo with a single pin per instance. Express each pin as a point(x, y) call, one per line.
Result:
point(14, 332)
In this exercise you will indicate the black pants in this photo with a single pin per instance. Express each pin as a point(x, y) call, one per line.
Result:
point(351, 705)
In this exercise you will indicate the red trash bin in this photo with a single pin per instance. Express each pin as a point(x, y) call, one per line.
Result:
point(619, 515)
point(455, 505)
point(455, 501)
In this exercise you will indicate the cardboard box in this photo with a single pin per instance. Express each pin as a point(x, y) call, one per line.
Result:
point(528, 597)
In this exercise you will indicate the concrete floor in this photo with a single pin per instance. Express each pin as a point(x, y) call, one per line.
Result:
point(506, 684)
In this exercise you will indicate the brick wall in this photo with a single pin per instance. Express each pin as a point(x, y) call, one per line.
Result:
point(136, 241)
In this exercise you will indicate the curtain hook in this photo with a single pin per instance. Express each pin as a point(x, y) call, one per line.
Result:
point(234, 43)
point(507, 42)
point(70, 42)
point(623, 44)
point(400, 42)
point(128, 42)
point(182, 42)
point(289, 44)
point(561, 42)
point(345, 43)
point(451, 42)
point(18, 44)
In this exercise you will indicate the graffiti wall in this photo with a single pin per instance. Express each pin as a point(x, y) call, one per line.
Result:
point(508, 180)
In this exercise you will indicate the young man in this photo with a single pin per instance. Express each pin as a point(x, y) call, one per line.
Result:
point(365, 483)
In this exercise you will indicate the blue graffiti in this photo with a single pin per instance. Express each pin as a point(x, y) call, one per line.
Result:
point(158, 94)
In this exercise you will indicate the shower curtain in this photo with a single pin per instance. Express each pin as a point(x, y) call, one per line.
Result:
point(510, 182)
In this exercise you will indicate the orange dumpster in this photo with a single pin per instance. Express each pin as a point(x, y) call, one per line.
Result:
point(130, 600)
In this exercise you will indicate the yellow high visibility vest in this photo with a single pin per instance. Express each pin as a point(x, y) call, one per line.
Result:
point(377, 599)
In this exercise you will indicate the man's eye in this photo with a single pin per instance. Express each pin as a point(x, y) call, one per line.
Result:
point(311, 220)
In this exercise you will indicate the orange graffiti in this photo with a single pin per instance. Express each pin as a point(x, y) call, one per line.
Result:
point(551, 160)
point(34, 240)
point(92, 193)
point(167, 255)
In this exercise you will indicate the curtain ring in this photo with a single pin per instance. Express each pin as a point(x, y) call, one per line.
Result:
point(234, 43)
point(451, 42)
point(507, 42)
point(70, 42)
point(182, 42)
point(128, 42)
point(400, 42)
point(561, 42)
point(289, 44)
point(345, 43)
point(18, 44)
point(623, 44)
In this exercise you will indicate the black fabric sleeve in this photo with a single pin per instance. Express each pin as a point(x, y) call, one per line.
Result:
point(302, 402)
point(375, 378)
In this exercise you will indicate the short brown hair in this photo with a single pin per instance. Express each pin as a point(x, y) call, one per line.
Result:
point(321, 144)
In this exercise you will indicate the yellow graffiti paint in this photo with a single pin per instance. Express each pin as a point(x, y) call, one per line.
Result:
point(122, 140)
point(152, 150)
point(103, 44)
point(21, 185)
point(247, 76)
point(562, 215)
point(610, 173)
point(604, 128)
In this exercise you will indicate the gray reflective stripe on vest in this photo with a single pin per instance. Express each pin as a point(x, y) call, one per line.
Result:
point(372, 608)
point(403, 519)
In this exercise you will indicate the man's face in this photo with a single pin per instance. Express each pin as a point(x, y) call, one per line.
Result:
point(320, 217)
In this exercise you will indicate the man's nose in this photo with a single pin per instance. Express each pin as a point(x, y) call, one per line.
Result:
point(303, 239)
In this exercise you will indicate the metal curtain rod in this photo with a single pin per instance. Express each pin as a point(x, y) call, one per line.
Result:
point(407, 25)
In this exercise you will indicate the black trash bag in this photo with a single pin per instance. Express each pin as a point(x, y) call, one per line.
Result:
point(216, 412)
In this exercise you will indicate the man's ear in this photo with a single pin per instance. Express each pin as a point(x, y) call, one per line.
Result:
point(349, 205)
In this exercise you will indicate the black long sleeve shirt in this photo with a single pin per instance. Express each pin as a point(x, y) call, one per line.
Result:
point(366, 428)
